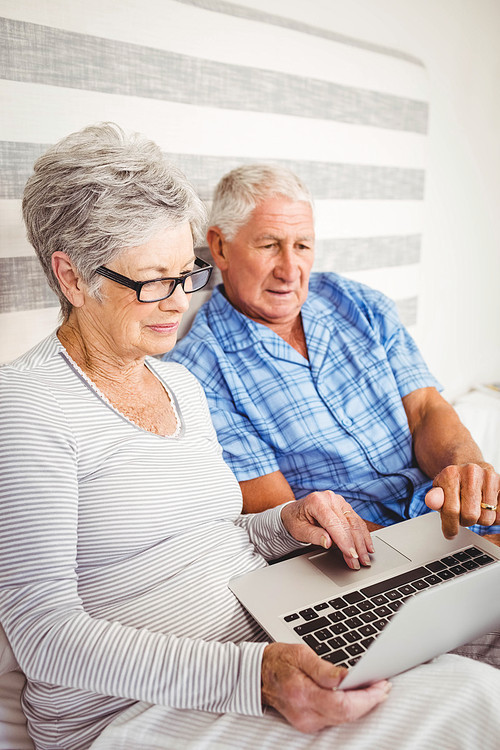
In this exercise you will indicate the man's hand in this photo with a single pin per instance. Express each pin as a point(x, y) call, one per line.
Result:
point(324, 518)
point(465, 494)
point(303, 688)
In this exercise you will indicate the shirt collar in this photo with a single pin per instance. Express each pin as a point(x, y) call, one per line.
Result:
point(240, 332)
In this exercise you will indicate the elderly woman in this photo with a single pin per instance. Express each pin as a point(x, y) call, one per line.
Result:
point(121, 523)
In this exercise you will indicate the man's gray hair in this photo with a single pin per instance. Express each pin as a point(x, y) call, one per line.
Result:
point(242, 189)
point(99, 192)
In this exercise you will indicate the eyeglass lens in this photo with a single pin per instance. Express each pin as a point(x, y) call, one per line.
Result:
point(153, 291)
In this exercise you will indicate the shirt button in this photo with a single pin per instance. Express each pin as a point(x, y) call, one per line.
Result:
point(347, 422)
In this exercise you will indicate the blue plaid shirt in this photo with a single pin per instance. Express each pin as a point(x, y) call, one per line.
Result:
point(335, 421)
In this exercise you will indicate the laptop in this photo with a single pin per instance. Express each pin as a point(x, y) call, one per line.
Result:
point(422, 596)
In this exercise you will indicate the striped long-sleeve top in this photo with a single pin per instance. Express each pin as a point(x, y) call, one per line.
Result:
point(116, 547)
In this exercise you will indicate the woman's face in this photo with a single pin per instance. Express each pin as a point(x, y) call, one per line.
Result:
point(129, 329)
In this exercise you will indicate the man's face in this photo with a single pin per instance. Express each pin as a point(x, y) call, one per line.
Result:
point(266, 266)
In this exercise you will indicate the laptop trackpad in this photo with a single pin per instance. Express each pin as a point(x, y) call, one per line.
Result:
point(332, 564)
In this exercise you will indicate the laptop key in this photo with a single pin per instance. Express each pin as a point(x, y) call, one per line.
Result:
point(338, 603)
point(319, 648)
point(383, 611)
point(380, 624)
point(470, 564)
point(446, 574)
point(311, 626)
point(458, 569)
point(365, 605)
point(338, 628)
point(352, 636)
point(474, 551)
point(368, 616)
point(319, 607)
point(484, 560)
point(435, 566)
point(432, 580)
point(407, 589)
point(421, 585)
point(354, 597)
point(367, 630)
point(353, 622)
point(462, 556)
point(354, 649)
point(290, 618)
point(336, 616)
point(337, 642)
point(449, 560)
point(395, 582)
point(351, 611)
point(308, 614)
point(380, 599)
point(393, 595)
point(323, 634)
point(337, 656)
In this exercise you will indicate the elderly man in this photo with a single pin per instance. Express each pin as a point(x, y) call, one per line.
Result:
point(312, 380)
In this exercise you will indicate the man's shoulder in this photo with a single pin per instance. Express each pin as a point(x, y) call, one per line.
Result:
point(344, 293)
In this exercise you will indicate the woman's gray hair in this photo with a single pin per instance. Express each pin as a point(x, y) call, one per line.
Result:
point(98, 192)
point(242, 189)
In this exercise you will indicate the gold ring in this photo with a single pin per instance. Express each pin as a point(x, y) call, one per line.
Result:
point(489, 507)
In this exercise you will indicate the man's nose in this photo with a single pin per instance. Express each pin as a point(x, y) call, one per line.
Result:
point(287, 266)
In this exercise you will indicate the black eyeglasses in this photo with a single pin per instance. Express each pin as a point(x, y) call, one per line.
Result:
point(158, 289)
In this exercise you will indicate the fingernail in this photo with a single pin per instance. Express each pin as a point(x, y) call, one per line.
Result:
point(354, 564)
point(366, 560)
point(325, 542)
point(353, 553)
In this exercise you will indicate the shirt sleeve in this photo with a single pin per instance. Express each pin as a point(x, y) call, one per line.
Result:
point(268, 533)
point(247, 454)
point(55, 640)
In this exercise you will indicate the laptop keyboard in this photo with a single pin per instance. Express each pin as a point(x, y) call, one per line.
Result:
point(341, 629)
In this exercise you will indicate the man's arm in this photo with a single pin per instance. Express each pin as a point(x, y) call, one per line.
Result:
point(270, 490)
point(444, 449)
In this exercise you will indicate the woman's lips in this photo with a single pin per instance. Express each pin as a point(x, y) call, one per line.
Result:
point(164, 327)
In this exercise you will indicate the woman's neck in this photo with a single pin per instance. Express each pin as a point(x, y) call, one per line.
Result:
point(94, 356)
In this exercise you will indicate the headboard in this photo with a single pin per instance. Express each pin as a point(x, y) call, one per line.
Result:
point(215, 85)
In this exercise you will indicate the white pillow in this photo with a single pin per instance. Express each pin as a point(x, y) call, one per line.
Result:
point(13, 732)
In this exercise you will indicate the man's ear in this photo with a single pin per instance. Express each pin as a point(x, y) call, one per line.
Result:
point(69, 279)
point(218, 247)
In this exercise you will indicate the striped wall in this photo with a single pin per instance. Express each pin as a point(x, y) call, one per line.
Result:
point(217, 84)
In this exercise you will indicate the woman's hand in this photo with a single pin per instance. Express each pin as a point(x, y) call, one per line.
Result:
point(303, 688)
point(324, 518)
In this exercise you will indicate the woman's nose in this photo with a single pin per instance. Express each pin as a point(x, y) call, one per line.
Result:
point(178, 300)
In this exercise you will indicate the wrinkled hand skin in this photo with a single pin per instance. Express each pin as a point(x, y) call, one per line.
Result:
point(302, 687)
point(325, 518)
point(458, 492)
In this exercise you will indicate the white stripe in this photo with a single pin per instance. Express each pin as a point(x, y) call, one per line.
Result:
point(21, 330)
point(13, 242)
point(367, 218)
point(398, 282)
point(200, 33)
point(334, 219)
point(176, 128)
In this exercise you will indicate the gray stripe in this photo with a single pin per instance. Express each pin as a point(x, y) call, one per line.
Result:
point(407, 309)
point(40, 54)
point(230, 9)
point(361, 253)
point(23, 285)
point(326, 181)
point(17, 275)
